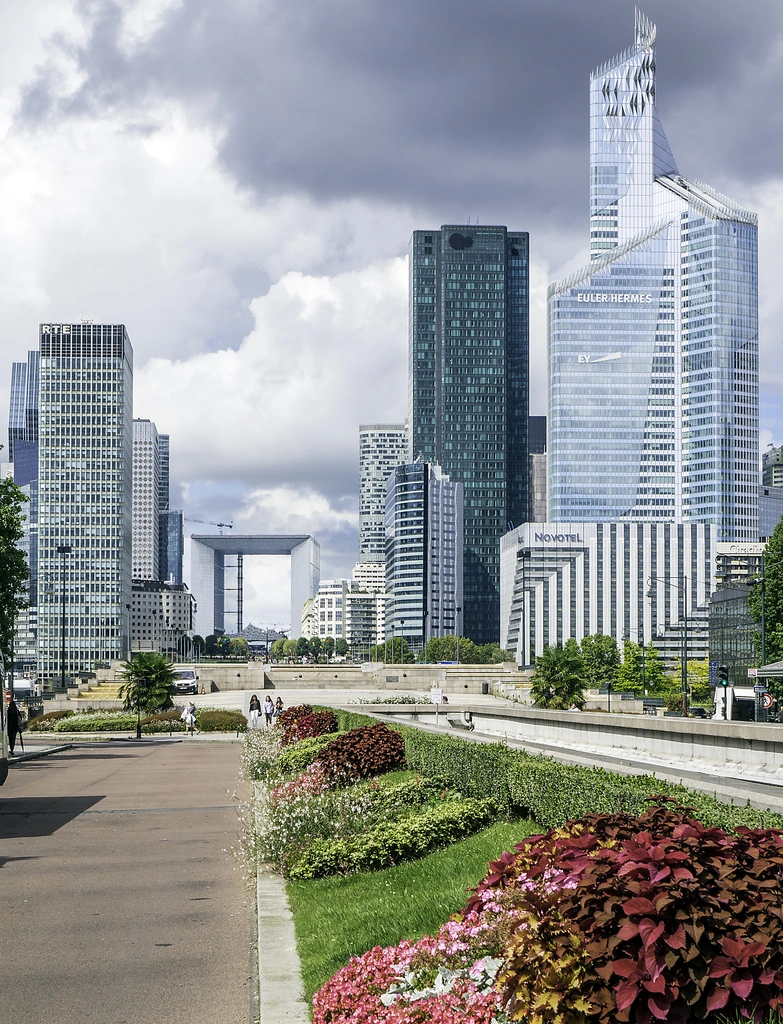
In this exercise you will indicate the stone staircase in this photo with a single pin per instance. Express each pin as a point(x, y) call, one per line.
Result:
point(105, 694)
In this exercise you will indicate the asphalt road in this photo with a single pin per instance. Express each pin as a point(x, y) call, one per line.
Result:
point(119, 900)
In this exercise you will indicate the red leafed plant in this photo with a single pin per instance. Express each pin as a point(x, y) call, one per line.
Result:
point(362, 753)
point(287, 721)
point(655, 918)
point(317, 724)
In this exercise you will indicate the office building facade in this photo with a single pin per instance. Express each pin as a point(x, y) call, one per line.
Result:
point(770, 510)
point(146, 497)
point(772, 467)
point(424, 572)
point(653, 346)
point(161, 617)
point(468, 389)
point(382, 446)
point(537, 463)
point(23, 419)
point(84, 495)
point(563, 580)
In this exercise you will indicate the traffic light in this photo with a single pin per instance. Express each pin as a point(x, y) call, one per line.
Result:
point(723, 675)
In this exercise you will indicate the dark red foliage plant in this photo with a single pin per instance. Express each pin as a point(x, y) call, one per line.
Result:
point(362, 753)
point(651, 918)
point(317, 724)
point(287, 721)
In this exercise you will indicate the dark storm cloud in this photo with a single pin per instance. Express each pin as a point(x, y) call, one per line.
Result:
point(445, 105)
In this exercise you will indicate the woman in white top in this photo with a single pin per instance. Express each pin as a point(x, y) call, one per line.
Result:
point(268, 710)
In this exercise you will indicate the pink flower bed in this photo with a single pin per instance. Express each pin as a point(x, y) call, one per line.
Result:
point(311, 782)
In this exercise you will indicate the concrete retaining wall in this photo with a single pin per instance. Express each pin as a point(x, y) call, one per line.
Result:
point(622, 735)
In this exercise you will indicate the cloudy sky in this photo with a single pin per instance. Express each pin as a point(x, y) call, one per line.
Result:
point(237, 183)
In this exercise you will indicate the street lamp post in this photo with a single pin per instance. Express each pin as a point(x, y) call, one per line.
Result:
point(138, 707)
point(681, 588)
point(62, 550)
point(458, 633)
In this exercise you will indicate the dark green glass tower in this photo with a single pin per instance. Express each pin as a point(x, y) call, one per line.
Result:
point(468, 390)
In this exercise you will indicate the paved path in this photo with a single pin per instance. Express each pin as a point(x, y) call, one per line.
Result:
point(118, 900)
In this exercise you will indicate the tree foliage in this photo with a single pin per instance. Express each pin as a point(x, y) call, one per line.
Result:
point(395, 652)
point(773, 597)
point(14, 571)
point(148, 683)
point(341, 647)
point(558, 678)
point(601, 660)
point(631, 675)
point(446, 648)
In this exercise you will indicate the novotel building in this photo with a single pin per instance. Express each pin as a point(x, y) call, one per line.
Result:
point(653, 346)
point(563, 580)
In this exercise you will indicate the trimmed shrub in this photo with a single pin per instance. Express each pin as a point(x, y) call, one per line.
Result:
point(294, 759)
point(478, 769)
point(389, 843)
point(97, 721)
point(362, 753)
point(215, 720)
point(654, 917)
point(163, 721)
point(43, 723)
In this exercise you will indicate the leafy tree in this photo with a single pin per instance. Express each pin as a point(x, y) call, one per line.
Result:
point(601, 660)
point(302, 647)
point(328, 647)
point(239, 647)
point(315, 647)
point(450, 648)
point(558, 678)
point(224, 649)
point(654, 676)
point(278, 647)
point(629, 675)
point(198, 643)
point(396, 652)
point(290, 648)
point(341, 647)
point(211, 646)
point(773, 598)
point(148, 682)
point(14, 571)
point(492, 654)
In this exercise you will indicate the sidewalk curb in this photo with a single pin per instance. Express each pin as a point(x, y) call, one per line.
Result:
point(35, 754)
point(281, 998)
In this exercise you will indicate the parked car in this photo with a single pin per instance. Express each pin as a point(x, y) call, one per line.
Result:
point(185, 680)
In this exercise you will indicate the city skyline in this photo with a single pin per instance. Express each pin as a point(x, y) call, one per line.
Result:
point(234, 283)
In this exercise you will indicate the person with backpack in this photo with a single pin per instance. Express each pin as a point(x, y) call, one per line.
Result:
point(189, 718)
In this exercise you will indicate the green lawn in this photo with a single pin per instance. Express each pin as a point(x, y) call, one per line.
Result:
point(339, 917)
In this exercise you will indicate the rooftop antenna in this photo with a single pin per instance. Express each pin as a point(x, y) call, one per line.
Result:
point(468, 220)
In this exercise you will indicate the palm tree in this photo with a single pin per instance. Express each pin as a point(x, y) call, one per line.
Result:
point(558, 681)
point(149, 683)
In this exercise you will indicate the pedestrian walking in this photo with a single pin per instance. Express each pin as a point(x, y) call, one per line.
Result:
point(14, 721)
point(278, 708)
point(269, 709)
point(189, 718)
point(780, 714)
point(255, 711)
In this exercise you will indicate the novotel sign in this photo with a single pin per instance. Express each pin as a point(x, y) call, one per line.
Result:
point(613, 297)
point(558, 538)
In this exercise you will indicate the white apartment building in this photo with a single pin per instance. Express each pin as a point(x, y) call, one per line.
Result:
point(161, 614)
point(382, 446)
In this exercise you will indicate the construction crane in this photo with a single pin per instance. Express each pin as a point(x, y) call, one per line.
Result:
point(208, 522)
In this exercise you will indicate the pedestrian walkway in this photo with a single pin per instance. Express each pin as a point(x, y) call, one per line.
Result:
point(121, 902)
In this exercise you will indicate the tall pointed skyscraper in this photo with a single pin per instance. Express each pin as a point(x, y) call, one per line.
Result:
point(653, 346)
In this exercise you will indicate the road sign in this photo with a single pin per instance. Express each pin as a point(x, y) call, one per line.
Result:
point(436, 696)
point(752, 672)
point(759, 689)
point(766, 701)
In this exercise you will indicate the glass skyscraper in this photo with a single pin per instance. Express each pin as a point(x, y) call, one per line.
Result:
point(653, 346)
point(23, 419)
point(468, 390)
point(84, 495)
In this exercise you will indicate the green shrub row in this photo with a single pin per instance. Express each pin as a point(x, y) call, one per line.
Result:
point(550, 792)
point(43, 723)
point(294, 759)
point(210, 720)
point(389, 843)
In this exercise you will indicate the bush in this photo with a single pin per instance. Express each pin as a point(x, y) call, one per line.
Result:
point(654, 916)
point(319, 723)
point(163, 721)
point(362, 753)
point(390, 842)
point(478, 769)
point(215, 720)
point(294, 759)
point(97, 721)
point(260, 752)
point(43, 723)
point(287, 720)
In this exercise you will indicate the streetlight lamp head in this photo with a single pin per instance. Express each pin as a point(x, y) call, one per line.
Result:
point(651, 593)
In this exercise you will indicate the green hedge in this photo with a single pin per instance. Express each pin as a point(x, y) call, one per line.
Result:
point(211, 720)
point(550, 792)
point(294, 759)
point(391, 842)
